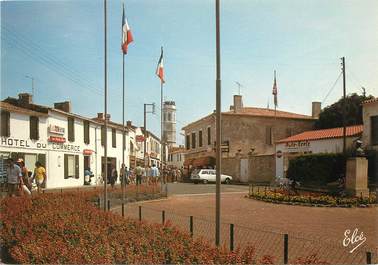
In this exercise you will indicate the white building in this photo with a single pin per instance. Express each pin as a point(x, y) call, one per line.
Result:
point(318, 141)
point(65, 143)
point(176, 157)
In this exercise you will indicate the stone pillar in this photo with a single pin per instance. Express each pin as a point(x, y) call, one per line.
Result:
point(357, 176)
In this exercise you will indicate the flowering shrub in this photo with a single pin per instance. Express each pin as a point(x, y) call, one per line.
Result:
point(310, 198)
point(67, 228)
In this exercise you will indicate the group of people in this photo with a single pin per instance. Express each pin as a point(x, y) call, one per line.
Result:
point(20, 179)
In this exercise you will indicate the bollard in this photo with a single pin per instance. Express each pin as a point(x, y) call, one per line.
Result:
point(43, 191)
point(258, 189)
point(265, 191)
point(231, 237)
point(61, 190)
point(252, 188)
point(274, 193)
point(166, 190)
point(163, 217)
point(108, 205)
point(98, 202)
point(140, 213)
point(191, 225)
point(123, 210)
point(286, 248)
point(368, 258)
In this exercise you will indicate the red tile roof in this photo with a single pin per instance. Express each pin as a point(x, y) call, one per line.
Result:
point(263, 112)
point(324, 134)
point(370, 101)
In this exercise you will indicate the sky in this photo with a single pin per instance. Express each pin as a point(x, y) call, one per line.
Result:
point(61, 45)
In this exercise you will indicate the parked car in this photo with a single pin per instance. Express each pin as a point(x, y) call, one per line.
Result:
point(208, 175)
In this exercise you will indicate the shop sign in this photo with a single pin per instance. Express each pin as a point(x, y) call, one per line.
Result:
point(57, 139)
point(298, 146)
point(56, 129)
point(140, 138)
point(279, 154)
point(52, 144)
point(153, 154)
point(87, 152)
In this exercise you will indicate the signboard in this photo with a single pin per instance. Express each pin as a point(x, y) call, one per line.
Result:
point(279, 154)
point(299, 146)
point(225, 146)
point(87, 152)
point(57, 139)
point(39, 145)
point(56, 129)
point(140, 138)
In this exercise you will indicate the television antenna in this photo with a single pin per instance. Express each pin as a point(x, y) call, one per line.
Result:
point(239, 86)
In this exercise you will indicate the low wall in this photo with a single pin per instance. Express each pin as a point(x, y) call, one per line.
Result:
point(262, 168)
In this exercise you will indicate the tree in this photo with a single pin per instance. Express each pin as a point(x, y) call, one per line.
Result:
point(332, 116)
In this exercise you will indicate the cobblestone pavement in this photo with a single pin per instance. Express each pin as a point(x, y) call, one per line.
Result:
point(311, 229)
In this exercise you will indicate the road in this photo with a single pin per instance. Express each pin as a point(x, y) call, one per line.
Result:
point(310, 229)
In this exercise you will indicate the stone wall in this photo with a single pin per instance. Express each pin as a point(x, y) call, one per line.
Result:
point(231, 167)
point(262, 168)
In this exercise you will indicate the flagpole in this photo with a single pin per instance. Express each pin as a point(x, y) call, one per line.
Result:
point(105, 109)
point(161, 135)
point(123, 129)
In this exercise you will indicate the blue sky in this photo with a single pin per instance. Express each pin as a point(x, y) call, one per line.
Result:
point(60, 44)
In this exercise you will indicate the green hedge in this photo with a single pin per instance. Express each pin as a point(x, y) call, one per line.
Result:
point(316, 169)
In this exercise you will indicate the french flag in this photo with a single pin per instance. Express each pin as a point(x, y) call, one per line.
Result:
point(160, 67)
point(127, 37)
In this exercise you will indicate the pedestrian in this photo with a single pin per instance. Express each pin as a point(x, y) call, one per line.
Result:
point(139, 174)
point(87, 176)
point(114, 176)
point(154, 173)
point(124, 176)
point(39, 176)
point(14, 175)
point(25, 176)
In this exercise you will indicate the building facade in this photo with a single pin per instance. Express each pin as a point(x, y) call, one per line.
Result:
point(313, 142)
point(245, 131)
point(370, 119)
point(176, 157)
point(169, 122)
point(64, 142)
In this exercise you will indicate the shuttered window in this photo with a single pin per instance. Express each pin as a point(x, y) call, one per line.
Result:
point(374, 130)
point(86, 132)
point(5, 124)
point(114, 138)
point(71, 129)
point(268, 135)
point(187, 142)
point(71, 166)
point(208, 136)
point(34, 127)
point(102, 135)
point(200, 139)
point(193, 140)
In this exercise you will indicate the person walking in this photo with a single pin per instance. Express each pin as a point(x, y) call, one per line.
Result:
point(139, 173)
point(14, 175)
point(154, 173)
point(124, 175)
point(39, 176)
point(25, 175)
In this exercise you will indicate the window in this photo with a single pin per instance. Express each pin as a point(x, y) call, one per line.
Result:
point(374, 130)
point(34, 128)
point(169, 116)
point(71, 166)
point(200, 138)
point(268, 135)
point(187, 142)
point(289, 132)
point(208, 136)
point(71, 129)
point(103, 135)
point(193, 140)
point(5, 123)
point(86, 132)
point(114, 138)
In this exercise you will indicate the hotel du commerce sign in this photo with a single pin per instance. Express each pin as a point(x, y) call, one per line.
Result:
point(53, 143)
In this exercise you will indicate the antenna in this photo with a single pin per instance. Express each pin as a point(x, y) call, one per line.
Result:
point(239, 86)
point(363, 91)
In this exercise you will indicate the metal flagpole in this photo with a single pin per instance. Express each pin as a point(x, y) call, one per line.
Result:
point(123, 117)
point(218, 127)
point(106, 111)
point(162, 153)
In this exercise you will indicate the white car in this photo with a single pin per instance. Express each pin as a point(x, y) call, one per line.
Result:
point(208, 175)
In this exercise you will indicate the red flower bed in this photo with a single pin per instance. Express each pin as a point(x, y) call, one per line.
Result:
point(67, 228)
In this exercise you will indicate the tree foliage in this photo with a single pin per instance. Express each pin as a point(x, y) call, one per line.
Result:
point(332, 116)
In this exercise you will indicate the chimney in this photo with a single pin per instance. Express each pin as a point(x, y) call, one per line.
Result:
point(100, 116)
point(128, 124)
point(316, 109)
point(25, 99)
point(238, 103)
point(64, 106)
